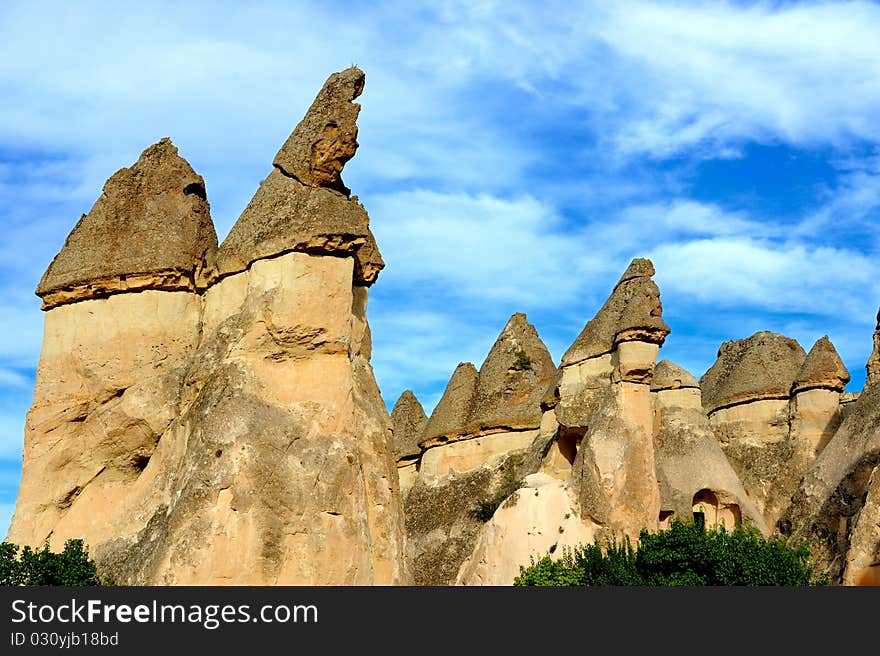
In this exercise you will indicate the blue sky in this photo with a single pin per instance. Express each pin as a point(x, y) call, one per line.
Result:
point(514, 157)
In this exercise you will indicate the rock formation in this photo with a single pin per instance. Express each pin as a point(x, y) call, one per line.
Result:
point(834, 492)
point(692, 471)
point(604, 405)
point(408, 421)
point(208, 414)
point(202, 423)
point(151, 228)
point(482, 439)
point(746, 395)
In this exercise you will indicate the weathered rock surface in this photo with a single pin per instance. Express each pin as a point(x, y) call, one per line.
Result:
point(832, 493)
point(151, 228)
point(764, 366)
point(669, 376)
point(482, 439)
point(285, 215)
point(408, 420)
point(451, 416)
point(863, 553)
point(444, 515)
point(231, 437)
point(873, 365)
point(505, 394)
point(632, 312)
point(614, 473)
point(512, 379)
point(619, 344)
point(692, 470)
point(822, 368)
point(540, 517)
point(326, 138)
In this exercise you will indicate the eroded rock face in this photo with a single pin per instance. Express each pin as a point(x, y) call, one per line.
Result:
point(746, 394)
point(764, 366)
point(692, 470)
point(151, 228)
point(505, 394)
point(232, 436)
point(614, 472)
point(286, 215)
point(828, 500)
point(482, 439)
point(822, 369)
point(863, 553)
point(326, 138)
point(450, 419)
point(633, 312)
point(409, 420)
point(873, 365)
point(540, 517)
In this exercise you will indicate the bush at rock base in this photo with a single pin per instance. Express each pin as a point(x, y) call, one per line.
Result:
point(25, 566)
point(686, 554)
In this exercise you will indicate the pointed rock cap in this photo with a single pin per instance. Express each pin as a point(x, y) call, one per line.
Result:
point(299, 207)
point(452, 412)
point(409, 421)
point(763, 366)
point(873, 365)
point(285, 216)
point(632, 312)
point(513, 379)
point(668, 375)
point(326, 138)
point(823, 368)
point(151, 228)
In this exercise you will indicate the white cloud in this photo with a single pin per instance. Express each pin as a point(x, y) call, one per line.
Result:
point(482, 247)
point(776, 277)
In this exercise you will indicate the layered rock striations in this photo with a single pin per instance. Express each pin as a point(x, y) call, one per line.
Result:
point(228, 430)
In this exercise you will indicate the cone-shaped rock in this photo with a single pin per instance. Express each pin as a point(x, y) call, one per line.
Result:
point(326, 138)
point(823, 368)
point(298, 207)
point(668, 375)
point(150, 229)
point(513, 379)
point(763, 366)
point(452, 412)
point(633, 311)
point(409, 421)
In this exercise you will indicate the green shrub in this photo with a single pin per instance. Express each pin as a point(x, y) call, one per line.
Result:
point(26, 566)
point(685, 554)
point(523, 361)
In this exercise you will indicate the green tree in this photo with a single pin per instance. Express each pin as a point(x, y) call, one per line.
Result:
point(26, 566)
point(684, 554)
